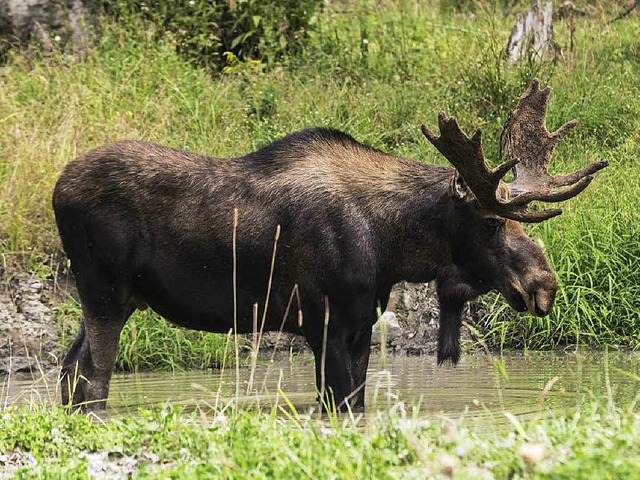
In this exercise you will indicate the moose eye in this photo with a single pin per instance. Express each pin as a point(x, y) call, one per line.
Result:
point(492, 224)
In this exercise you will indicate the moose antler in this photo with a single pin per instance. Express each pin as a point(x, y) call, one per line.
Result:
point(466, 155)
point(528, 140)
point(529, 148)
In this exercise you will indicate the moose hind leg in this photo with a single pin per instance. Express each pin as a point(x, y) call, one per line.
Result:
point(103, 333)
point(69, 371)
point(100, 248)
point(88, 366)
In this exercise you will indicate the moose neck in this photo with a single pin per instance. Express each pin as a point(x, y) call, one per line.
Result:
point(411, 212)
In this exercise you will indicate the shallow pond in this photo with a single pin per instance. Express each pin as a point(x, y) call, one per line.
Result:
point(480, 386)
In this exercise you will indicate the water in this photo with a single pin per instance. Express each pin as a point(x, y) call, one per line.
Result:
point(476, 387)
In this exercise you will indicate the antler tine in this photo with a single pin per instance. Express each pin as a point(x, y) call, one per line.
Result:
point(467, 156)
point(532, 217)
point(559, 134)
point(552, 195)
point(564, 180)
point(528, 140)
point(529, 147)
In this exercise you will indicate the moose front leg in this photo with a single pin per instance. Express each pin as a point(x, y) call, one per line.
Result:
point(449, 333)
point(360, 350)
point(333, 371)
point(451, 305)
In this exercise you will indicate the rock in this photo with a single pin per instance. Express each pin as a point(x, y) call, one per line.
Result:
point(280, 341)
point(388, 327)
point(416, 308)
point(16, 364)
point(104, 464)
point(16, 459)
point(29, 336)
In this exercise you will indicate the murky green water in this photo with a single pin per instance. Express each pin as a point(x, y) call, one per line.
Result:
point(476, 386)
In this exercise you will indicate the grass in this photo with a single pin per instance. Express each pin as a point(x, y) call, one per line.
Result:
point(376, 70)
point(182, 349)
point(148, 342)
point(169, 442)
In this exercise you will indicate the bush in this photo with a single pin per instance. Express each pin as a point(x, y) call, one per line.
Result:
point(204, 30)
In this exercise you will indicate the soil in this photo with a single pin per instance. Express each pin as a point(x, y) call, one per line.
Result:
point(29, 335)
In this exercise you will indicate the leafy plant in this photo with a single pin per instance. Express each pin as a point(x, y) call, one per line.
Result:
point(204, 31)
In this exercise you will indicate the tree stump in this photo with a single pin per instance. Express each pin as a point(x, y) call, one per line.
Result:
point(46, 22)
point(532, 35)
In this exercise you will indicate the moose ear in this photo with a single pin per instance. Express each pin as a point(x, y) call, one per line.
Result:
point(460, 188)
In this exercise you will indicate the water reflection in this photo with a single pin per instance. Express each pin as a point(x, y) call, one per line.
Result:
point(476, 385)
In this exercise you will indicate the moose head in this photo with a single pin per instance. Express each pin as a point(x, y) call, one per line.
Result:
point(492, 247)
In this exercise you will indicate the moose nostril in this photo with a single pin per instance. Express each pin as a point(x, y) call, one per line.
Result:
point(543, 302)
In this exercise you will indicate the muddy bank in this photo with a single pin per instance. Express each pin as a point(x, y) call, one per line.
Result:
point(31, 337)
point(29, 334)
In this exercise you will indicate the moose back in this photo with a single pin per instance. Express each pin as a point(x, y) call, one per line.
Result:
point(194, 238)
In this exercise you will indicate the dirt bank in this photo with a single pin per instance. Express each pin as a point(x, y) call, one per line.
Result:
point(29, 335)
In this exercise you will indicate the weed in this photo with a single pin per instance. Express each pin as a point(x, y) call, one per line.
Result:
point(170, 442)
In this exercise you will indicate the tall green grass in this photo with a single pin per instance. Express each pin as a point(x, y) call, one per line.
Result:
point(148, 342)
point(376, 70)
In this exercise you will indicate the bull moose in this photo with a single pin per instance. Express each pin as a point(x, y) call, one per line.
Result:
point(192, 237)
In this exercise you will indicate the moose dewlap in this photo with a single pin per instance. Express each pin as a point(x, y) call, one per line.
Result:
point(148, 225)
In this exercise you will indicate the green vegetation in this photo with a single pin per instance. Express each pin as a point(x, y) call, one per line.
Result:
point(211, 32)
point(376, 70)
point(598, 442)
point(180, 349)
point(147, 342)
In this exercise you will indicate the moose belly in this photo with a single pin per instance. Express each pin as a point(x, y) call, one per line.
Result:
point(203, 298)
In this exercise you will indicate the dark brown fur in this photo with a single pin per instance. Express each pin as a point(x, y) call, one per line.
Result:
point(150, 225)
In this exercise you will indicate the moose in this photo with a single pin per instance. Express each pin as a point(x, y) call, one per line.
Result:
point(194, 238)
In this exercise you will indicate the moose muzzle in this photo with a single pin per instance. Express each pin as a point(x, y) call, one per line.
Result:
point(537, 292)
